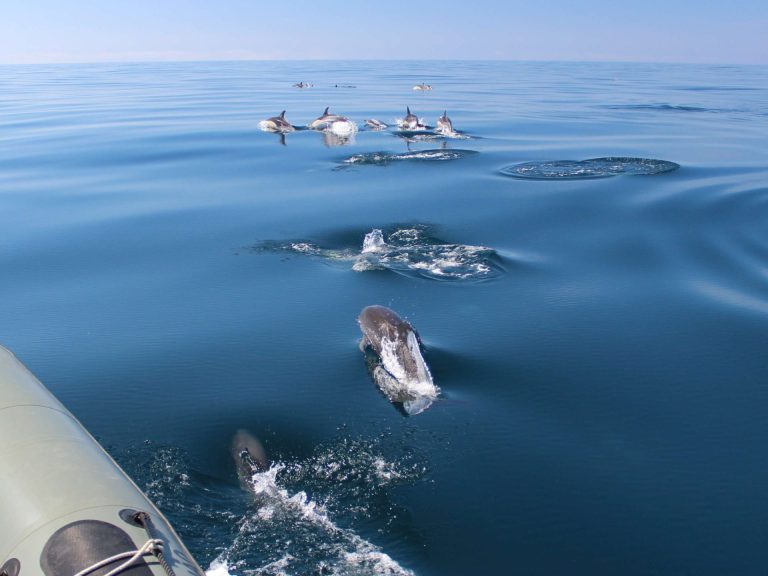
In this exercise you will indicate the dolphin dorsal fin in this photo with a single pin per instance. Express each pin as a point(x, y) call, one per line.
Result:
point(325, 112)
point(282, 114)
point(445, 113)
point(408, 110)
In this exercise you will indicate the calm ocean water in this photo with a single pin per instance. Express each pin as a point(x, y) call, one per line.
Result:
point(174, 274)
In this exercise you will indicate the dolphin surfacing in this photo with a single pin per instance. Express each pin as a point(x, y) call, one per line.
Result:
point(375, 124)
point(277, 124)
point(326, 119)
point(411, 121)
point(248, 454)
point(444, 125)
point(401, 373)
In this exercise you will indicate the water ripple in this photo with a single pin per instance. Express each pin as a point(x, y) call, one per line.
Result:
point(663, 108)
point(588, 169)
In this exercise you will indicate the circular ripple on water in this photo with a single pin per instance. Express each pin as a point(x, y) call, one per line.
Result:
point(586, 169)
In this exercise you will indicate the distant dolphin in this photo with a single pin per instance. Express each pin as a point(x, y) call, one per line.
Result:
point(402, 374)
point(326, 119)
point(248, 454)
point(444, 125)
point(422, 86)
point(277, 124)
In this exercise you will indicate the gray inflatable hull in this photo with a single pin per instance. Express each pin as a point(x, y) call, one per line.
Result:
point(62, 496)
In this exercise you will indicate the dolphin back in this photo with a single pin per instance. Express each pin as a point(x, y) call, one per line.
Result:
point(277, 124)
point(444, 124)
point(379, 323)
point(248, 454)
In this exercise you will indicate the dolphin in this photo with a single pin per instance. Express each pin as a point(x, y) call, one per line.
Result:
point(252, 466)
point(326, 119)
point(401, 373)
point(444, 125)
point(375, 124)
point(277, 124)
point(422, 86)
point(411, 121)
point(249, 455)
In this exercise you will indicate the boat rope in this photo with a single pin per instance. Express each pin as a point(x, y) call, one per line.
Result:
point(153, 546)
point(145, 520)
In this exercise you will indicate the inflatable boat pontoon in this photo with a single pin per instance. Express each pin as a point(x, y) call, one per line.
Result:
point(66, 508)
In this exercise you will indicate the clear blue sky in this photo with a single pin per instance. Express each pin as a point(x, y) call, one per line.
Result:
point(709, 31)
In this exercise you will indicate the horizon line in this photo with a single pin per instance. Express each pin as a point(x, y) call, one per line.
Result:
point(491, 59)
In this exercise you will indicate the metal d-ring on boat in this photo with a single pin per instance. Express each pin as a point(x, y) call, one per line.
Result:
point(66, 508)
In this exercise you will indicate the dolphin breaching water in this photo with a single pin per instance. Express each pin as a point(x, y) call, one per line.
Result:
point(325, 120)
point(401, 372)
point(336, 124)
point(277, 124)
point(444, 125)
point(411, 121)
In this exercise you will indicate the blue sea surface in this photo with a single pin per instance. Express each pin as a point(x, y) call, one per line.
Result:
point(174, 274)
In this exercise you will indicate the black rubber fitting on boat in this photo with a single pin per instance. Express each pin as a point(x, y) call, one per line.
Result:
point(131, 516)
point(12, 567)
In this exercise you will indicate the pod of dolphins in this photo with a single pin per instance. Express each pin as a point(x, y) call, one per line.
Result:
point(398, 368)
point(343, 125)
point(390, 344)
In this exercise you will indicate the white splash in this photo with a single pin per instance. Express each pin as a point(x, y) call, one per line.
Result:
point(416, 390)
point(351, 554)
point(342, 127)
point(428, 155)
point(303, 247)
point(370, 562)
point(456, 261)
point(374, 242)
point(451, 133)
point(373, 157)
point(408, 250)
point(218, 568)
point(403, 125)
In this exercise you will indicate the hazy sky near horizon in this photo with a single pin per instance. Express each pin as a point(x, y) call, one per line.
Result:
point(701, 31)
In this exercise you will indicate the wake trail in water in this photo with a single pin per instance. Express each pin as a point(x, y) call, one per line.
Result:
point(385, 158)
point(283, 530)
point(297, 523)
point(291, 533)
